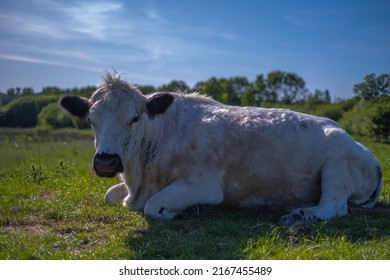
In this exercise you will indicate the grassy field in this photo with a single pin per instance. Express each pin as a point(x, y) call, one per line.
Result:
point(51, 207)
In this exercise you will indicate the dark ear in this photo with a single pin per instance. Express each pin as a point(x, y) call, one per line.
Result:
point(158, 103)
point(77, 106)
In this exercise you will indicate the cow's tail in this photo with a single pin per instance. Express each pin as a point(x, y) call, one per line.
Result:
point(374, 196)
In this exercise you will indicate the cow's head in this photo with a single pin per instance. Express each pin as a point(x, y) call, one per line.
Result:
point(117, 113)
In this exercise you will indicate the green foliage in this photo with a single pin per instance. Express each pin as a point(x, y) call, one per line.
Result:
point(147, 89)
point(373, 86)
point(37, 174)
point(319, 97)
point(332, 111)
point(51, 116)
point(51, 91)
point(255, 92)
point(65, 169)
point(227, 91)
point(359, 121)
point(285, 87)
point(13, 93)
point(381, 122)
point(20, 107)
point(174, 86)
point(276, 89)
point(23, 111)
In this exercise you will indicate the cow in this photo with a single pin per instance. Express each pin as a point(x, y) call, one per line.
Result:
point(177, 150)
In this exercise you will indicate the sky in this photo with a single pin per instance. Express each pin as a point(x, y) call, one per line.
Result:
point(331, 44)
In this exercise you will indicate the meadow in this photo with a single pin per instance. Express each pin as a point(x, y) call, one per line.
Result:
point(52, 207)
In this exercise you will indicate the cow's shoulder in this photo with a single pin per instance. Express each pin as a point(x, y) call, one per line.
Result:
point(158, 103)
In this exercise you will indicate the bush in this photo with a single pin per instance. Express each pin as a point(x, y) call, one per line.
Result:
point(357, 121)
point(368, 118)
point(380, 123)
point(23, 111)
point(52, 116)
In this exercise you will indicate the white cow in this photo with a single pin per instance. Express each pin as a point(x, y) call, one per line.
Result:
point(177, 150)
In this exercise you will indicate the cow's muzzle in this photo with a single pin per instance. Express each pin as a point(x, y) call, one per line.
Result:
point(107, 165)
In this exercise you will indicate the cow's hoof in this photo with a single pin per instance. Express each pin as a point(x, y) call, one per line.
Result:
point(159, 212)
point(299, 217)
point(293, 219)
point(116, 193)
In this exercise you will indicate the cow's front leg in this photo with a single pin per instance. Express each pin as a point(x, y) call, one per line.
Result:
point(178, 196)
point(116, 193)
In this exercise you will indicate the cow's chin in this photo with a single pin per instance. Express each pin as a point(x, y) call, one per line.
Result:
point(105, 174)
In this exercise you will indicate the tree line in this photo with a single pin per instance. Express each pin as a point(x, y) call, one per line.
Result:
point(22, 107)
point(276, 86)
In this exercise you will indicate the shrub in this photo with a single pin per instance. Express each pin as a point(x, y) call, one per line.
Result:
point(51, 116)
point(23, 111)
point(357, 121)
point(380, 123)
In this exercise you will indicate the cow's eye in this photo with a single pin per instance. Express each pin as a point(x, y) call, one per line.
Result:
point(134, 120)
point(90, 122)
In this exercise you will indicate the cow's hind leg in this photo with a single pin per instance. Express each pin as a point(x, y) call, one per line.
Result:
point(116, 193)
point(309, 215)
point(178, 196)
point(332, 204)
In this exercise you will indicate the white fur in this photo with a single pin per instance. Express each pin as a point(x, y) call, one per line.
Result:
point(202, 152)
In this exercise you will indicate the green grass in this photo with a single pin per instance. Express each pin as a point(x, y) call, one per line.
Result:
point(51, 207)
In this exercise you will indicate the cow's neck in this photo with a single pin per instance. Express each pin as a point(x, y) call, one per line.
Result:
point(143, 169)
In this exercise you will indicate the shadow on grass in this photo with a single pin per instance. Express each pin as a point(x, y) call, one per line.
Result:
point(203, 234)
point(232, 234)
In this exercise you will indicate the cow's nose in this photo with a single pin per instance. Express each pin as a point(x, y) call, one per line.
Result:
point(107, 165)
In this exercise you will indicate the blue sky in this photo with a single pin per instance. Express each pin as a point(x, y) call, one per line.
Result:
point(332, 44)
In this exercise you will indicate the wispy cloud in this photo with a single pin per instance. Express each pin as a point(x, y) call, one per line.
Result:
point(93, 19)
point(145, 31)
point(311, 18)
point(35, 60)
point(293, 20)
point(24, 24)
point(100, 35)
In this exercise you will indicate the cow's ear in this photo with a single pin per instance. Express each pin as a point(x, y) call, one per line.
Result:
point(75, 105)
point(159, 103)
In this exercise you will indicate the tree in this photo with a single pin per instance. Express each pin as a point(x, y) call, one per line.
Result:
point(174, 86)
point(11, 93)
point(51, 116)
point(147, 89)
point(27, 91)
point(318, 97)
point(198, 87)
point(373, 86)
point(84, 91)
point(285, 87)
point(212, 87)
point(23, 111)
point(231, 89)
point(255, 92)
point(235, 88)
point(227, 91)
point(381, 123)
point(51, 91)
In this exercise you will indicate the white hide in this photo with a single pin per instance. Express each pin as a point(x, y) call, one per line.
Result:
point(199, 151)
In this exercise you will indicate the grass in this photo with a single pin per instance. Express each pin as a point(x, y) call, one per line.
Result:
point(51, 207)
